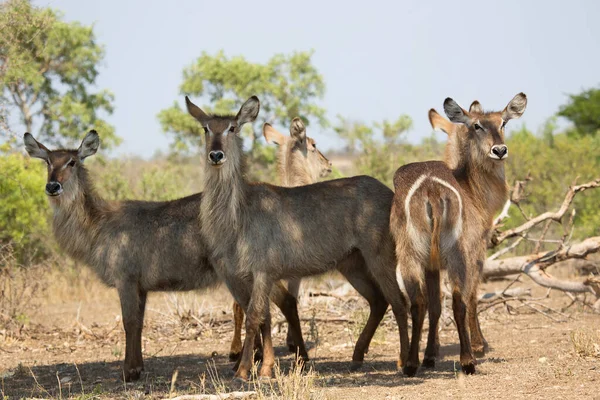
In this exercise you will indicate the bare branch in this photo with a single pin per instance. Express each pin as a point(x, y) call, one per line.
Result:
point(533, 265)
point(554, 216)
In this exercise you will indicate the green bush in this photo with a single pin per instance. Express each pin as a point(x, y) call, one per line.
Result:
point(24, 209)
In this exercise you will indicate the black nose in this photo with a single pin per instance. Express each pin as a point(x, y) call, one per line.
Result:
point(500, 151)
point(216, 156)
point(53, 187)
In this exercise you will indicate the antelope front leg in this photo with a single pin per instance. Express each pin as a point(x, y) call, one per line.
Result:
point(133, 304)
point(236, 343)
point(288, 305)
point(259, 301)
point(478, 342)
point(467, 361)
point(294, 290)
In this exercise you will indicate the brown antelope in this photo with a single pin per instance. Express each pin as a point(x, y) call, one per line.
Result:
point(259, 233)
point(452, 158)
point(134, 246)
point(299, 163)
point(441, 218)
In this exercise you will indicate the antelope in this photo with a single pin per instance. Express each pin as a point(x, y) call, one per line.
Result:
point(452, 158)
point(258, 233)
point(441, 217)
point(133, 246)
point(299, 163)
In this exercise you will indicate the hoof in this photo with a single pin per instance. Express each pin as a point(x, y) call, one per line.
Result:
point(429, 362)
point(410, 371)
point(468, 369)
point(234, 356)
point(258, 356)
point(356, 365)
point(264, 379)
point(239, 381)
point(133, 374)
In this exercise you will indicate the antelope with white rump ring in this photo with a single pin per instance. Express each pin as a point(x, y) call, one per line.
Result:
point(441, 218)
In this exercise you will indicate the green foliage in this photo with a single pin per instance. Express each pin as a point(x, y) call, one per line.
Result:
point(583, 110)
point(133, 179)
point(380, 149)
point(554, 162)
point(47, 67)
point(287, 86)
point(23, 207)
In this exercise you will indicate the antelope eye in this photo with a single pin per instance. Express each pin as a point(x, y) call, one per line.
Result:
point(231, 129)
point(477, 127)
point(71, 163)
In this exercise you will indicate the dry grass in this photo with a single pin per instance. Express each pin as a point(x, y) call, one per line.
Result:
point(586, 342)
point(18, 288)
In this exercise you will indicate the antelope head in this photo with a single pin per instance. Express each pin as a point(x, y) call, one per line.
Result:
point(484, 132)
point(63, 165)
point(222, 132)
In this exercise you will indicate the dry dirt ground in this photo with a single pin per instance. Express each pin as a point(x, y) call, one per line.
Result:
point(73, 346)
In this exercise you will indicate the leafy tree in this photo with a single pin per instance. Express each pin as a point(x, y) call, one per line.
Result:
point(47, 67)
point(583, 110)
point(287, 86)
point(380, 149)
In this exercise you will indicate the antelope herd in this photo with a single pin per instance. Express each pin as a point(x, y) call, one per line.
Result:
point(391, 247)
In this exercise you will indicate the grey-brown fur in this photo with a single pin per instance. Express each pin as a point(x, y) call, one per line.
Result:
point(299, 163)
point(441, 218)
point(134, 246)
point(261, 233)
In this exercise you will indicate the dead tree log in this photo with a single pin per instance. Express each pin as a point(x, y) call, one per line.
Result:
point(534, 266)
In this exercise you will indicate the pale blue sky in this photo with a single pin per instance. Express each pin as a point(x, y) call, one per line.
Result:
point(379, 59)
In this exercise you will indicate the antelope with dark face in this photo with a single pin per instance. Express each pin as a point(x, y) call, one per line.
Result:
point(258, 234)
point(441, 218)
point(134, 246)
point(299, 163)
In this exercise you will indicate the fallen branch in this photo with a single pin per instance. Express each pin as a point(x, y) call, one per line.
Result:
point(533, 265)
point(222, 396)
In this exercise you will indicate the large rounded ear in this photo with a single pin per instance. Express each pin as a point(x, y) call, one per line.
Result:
point(298, 130)
point(515, 108)
point(35, 148)
point(196, 112)
point(476, 108)
point(89, 145)
point(249, 111)
point(272, 135)
point(440, 123)
point(455, 112)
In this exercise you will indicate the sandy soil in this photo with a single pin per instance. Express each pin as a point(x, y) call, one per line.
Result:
point(73, 348)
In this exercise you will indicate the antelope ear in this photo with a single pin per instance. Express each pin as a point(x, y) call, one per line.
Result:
point(515, 108)
point(456, 113)
point(196, 112)
point(440, 123)
point(249, 111)
point(272, 135)
point(476, 108)
point(298, 130)
point(35, 148)
point(89, 145)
